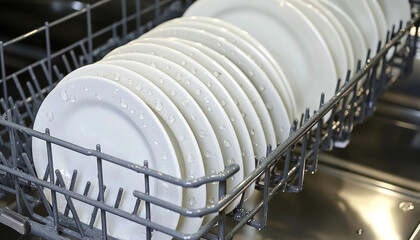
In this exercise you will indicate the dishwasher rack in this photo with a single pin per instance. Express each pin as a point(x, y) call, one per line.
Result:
point(283, 169)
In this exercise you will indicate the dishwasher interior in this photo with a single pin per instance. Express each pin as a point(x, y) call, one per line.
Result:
point(368, 190)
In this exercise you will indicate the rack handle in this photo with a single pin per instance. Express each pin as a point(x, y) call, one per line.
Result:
point(15, 221)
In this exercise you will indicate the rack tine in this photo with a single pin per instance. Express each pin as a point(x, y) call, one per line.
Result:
point(74, 59)
point(22, 95)
point(89, 34)
point(14, 160)
point(147, 191)
point(124, 20)
point(70, 204)
point(157, 12)
point(41, 192)
point(101, 192)
point(51, 173)
point(72, 182)
point(138, 18)
point(3, 72)
point(66, 63)
point(317, 143)
point(119, 196)
point(288, 156)
point(33, 94)
point(48, 76)
point(95, 211)
point(48, 43)
point(57, 72)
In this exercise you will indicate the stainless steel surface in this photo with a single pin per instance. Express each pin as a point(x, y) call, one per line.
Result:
point(336, 204)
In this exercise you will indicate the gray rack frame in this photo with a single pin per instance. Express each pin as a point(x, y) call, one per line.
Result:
point(283, 169)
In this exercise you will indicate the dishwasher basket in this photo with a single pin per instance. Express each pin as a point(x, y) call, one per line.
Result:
point(282, 170)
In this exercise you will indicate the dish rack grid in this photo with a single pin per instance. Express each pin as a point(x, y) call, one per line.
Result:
point(282, 170)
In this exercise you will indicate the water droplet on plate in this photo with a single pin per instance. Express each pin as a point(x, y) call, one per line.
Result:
point(198, 92)
point(72, 98)
point(158, 106)
point(130, 82)
point(216, 73)
point(194, 71)
point(168, 68)
point(171, 119)
point(222, 127)
point(190, 158)
point(269, 106)
point(139, 87)
point(230, 161)
point(193, 117)
point(209, 109)
point(98, 96)
point(252, 132)
point(226, 143)
point(223, 102)
point(116, 77)
point(181, 137)
point(192, 201)
point(141, 116)
point(63, 95)
point(173, 93)
point(86, 88)
point(207, 100)
point(153, 64)
point(250, 73)
point(145, 125)
point(243, 115)
point(188, 82)
point(50, 115)
point(124, 104)
point(209, 84)
point(165, 157)
point(179, 76)
point(207, 154)
point(132, 111)
point(156, 142)
point(261, 88)
point(202, 133)
point(185, 102)
point(183, 63)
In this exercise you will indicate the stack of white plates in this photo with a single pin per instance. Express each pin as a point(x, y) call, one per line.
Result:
point(197, 93)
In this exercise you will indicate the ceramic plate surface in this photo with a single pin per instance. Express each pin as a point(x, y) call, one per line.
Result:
point(266, 89)
point(169, 115)
point(330, 35)
point(396, 11)
point(249, 89)
point(240, 100)
point(256, 56)
point(86, 111)
point(203, 132)
point(289, 36)
point(354, 33)
point(147, 53)
point(256, 44)
point(360, 12)
point(339, 27)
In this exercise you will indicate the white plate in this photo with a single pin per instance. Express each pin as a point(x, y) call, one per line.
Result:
point(206, 138)
point(194, 65)
point(82, 111)
point(246, 86)
point(360, 12)
point(379, 19)
point(396, 11)
point(257, 45)
point(266, 89)
point(219, 120)
point(355, 35)
point(289, 36)
point(170, 116)
point(339, 27)
point(330, 35)
point(248, 114)
point(246, 47)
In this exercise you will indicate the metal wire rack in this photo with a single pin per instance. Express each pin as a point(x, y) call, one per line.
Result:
point(283, 169)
